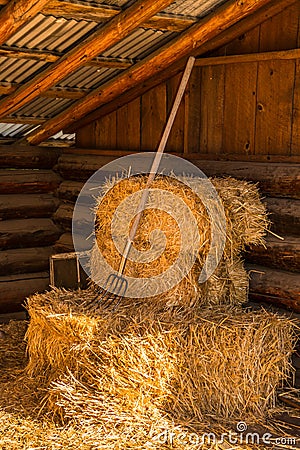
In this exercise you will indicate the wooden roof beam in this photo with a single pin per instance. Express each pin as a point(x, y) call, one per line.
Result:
point(15, 14)
point(27, 120)
point(152, 67)
point(100, 13)
point(24, 53)
point(164, 22)
point(105, 37)
point(72, 94)
point(46, 56)
point(248, 57)
point(75, 94)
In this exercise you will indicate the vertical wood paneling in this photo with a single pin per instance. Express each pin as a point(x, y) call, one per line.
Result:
point(193, 113)
point(280, 32)
point(129, 126)
point(274, 107)
point(106, 131)
point(176, 139)
point(212, 109)
point(235, 108)
point(295, 140)
point(239, 112)
point(247, 43)
point(295, 144)
point(153, 117)
point(86, 137)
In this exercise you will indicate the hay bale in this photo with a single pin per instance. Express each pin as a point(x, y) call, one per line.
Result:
point(228, 285)
point(246, 215)
point(145, 360)
point(12, 347)
point(246, 222)
point(23, 425)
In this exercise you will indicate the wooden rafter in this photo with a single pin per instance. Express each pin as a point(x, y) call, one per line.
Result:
point(112, 63)
point(99, 14)
point(73, 94)
point(169, 22)
point(46, 56)
point(20, 53)
point(189, 42)
point(17, 13)
point(106, 36)
point(24, 120)
point(248, 57)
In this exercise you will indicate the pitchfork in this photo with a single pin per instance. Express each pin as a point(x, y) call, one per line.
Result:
point(116, 285)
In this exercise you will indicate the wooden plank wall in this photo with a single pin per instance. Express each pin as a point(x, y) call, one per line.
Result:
point(242, 110)
point(27, 231)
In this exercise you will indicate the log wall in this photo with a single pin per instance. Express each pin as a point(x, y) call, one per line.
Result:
point(27, 231)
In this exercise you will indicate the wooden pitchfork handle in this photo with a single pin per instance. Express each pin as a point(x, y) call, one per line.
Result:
point(156, 161)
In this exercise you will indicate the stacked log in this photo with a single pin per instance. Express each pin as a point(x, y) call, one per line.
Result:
point(27, 231)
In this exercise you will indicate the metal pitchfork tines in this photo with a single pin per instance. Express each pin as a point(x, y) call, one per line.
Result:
point(116, 284)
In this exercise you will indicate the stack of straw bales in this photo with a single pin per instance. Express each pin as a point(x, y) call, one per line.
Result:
point(246, 223)
point(176, 361)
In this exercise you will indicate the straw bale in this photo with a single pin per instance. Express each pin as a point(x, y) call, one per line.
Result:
point(12, 347)
point(246, 222)
point(246, 215)
point(23, 426)
point(228, 284)
point(57, 339)
point(145, 358)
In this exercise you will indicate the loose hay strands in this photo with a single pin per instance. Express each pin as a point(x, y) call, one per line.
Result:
point(246, 222)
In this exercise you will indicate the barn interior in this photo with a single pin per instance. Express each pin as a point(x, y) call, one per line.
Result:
point(83, 83)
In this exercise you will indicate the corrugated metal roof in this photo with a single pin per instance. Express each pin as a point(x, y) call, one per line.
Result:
point(88, 77)
point(14, 70)
point(194, 8)
point(117, 3)
point(139, 44)
point(14, 130)
point(47, 33)
point(44, 107)
point(51, 33)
